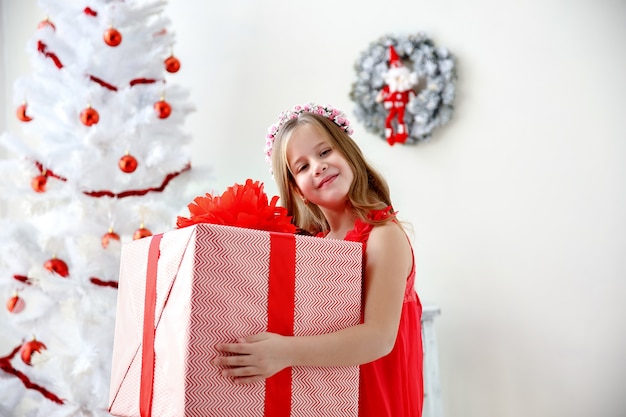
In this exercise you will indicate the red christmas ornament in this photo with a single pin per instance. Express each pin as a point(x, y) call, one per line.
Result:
point(46, 23)
point(21, 113)
point(162, 108)
point(89, 116)
point(141, 233)
point(128, 163)
point(28, 348)
point(15, 304)
point(172, 64)
point(57, 266)
point(112, 37)
point(107, 237)
point(39, 183)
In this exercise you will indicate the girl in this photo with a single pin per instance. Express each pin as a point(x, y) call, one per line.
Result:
point(331, 191)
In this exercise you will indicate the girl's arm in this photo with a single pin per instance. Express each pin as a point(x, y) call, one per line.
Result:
point(389, 261)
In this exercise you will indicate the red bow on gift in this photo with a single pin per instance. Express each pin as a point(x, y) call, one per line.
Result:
point(241, 206)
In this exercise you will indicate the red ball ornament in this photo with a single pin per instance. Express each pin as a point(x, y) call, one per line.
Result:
point(141, 233)
point(112, 37)
point(28, 348)
point(89, 116)
point(21, 113)
point(162, 108)
point(107, 237)
point(46, 23)
point(172, 64)
point(15, 304)
point(128, 163)
point(57, 266)
point(39, 183)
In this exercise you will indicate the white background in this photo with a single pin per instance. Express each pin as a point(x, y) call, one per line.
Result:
point(518, 206)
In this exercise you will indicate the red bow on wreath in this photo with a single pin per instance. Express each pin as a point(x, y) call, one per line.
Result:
point(241, 206)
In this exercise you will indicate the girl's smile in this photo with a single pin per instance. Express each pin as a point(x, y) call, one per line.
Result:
point(326, 180)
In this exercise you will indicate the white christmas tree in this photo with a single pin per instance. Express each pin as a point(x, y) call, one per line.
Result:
point(107, 161)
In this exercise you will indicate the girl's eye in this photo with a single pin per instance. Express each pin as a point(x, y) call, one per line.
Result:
point(301, 168)
point(325, 152)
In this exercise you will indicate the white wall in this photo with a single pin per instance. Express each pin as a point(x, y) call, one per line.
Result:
point(518, 205)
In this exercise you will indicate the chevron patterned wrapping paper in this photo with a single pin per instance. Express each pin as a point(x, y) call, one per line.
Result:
point(214, 284)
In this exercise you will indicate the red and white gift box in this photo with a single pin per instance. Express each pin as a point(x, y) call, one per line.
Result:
point(207, 284)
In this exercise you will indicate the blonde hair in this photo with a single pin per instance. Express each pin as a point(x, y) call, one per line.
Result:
point(369, 190)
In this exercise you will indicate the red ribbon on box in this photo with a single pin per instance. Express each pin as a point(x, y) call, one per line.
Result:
point(147, 346)
point(280, 313)
point(280, 319)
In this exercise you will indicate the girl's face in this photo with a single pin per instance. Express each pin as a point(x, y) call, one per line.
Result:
point(321, 172)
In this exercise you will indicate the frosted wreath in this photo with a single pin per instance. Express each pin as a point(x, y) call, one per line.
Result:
point(337, 116)
point(429, 108)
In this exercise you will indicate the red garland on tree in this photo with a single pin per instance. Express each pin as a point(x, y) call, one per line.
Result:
point(128, 163)
point(5, 365)
point(43, 48)
point(28, 348)
point(89, 116)
point(141, 233)
point(15, 304)
point(90, 12)
point(172, 64)
point(21, 113)
point(107, 237)
point(22, 278)
point(57, 266)
point(112, 37)
point(162, 108)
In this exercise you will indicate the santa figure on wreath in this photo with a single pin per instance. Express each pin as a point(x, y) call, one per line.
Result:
point(396, 94)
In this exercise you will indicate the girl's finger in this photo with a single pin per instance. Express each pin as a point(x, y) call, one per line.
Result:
point(254, 338)
point(231, 360)
point(231, 348)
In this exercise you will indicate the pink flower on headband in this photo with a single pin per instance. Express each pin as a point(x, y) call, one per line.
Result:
point(329, 112)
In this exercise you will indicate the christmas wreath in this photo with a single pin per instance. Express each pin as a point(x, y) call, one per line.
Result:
point(410, 110)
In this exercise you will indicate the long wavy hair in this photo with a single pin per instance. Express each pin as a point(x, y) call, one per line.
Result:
point(369, 190)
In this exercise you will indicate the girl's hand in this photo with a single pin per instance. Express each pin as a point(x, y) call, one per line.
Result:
point(255, 357)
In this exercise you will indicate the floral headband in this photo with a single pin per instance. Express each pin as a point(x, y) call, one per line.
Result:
point(332, 114)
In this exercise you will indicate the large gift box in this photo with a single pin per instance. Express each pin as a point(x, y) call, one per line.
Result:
point(183, 292)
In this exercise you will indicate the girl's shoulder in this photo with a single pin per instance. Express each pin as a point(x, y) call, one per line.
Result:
point(388, 244)
point(388, 232)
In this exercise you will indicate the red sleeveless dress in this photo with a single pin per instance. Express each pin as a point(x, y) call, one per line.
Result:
point(393, 386)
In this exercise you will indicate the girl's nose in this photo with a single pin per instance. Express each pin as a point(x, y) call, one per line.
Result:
point(320, 167)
